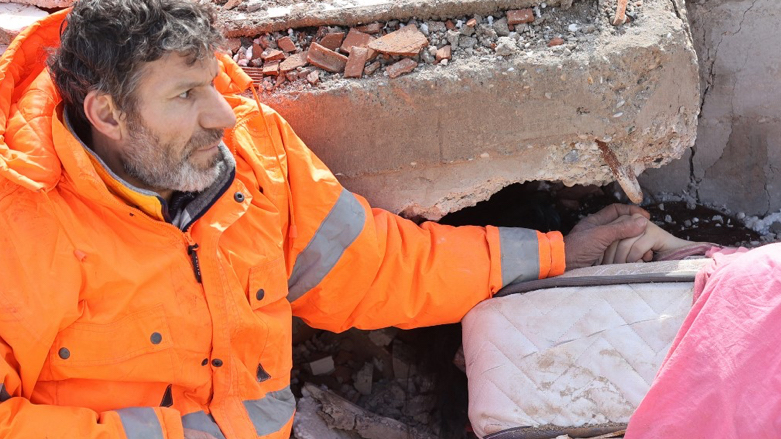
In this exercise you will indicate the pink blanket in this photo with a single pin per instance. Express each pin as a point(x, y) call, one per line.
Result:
point(722, 376)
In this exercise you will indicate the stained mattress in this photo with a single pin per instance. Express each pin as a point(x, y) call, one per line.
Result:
point(573, 354)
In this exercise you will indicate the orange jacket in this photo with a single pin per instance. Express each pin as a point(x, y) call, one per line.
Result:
point(105, 332)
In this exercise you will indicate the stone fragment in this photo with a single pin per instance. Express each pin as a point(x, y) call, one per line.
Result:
point(371, 68)
point(293, 62)
point(399, 68)
point(332, 41)
point(271, 68)
point(467, 42)
point(287, 44)
point(272, 55)
point(452, 37)
point(230, 4)
point(363, 379)
point(234, 44)
point(383, 337)
point(501, 27)
point(280, 80)
point(506, 46)
point(323, 366)
point(15, 17)
point(355, 38)
point(313, 77)
point(356, 61)
point(467, 30)
point(444, 53)
point(326, 59)
point(436, 26)
point(519, 16)
point(558, 41)
point(406, 41)
point(403, 359)
point(371, 28)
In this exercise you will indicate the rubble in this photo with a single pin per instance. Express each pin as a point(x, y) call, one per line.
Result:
point(15, 17)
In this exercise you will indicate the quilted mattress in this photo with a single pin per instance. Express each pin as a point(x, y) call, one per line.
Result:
point(573, 354)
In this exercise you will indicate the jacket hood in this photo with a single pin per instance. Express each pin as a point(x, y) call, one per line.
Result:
point(29, 105)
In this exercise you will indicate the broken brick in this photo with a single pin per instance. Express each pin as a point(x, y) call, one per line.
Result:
point(471, 22)
point(332, 41)
point(313, 77)
point(286, 44)
point(231, 4)
point(293, 62)
point(355, 38)
point(271, 68)
point(323, 366)
point(371, 68)
point(449, 25)
point(257, 51)
point(371, 28)
point(234, 44)
point(406, 41)
point(280, 80)
point(558, 41)
point(326, 59)
point(356, 61)
point(406, 65)
point(444, 52)
point(272, 55)
point(519, 16)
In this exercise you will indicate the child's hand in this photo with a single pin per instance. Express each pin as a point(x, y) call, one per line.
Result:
point(643, 248)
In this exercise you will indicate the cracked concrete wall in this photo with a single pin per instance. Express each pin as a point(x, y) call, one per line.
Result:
point(737, 156)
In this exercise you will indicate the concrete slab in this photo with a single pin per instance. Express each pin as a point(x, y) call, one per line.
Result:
point(47, 4)
point(256, 16)
point(444, 138)
point(15, 17)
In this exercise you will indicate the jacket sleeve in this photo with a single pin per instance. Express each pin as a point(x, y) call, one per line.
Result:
point(20, 418)
point(354, 266)
point(34, 297)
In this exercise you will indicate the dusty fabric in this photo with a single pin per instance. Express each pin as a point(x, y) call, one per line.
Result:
point(722, 376)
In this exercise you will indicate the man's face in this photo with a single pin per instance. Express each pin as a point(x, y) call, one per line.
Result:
point(178, 123)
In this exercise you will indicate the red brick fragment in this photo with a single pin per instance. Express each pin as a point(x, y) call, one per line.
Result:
point(257, 51)
point(519, 16)
point(271, 55)
point(264, 41)
point(444, 52)
point(326, 59)
point(271, 68)
point(286, 44)
point(371, 68)
point(313, 77)
point(406, 41)
point(332, 41)
point(371, 28)
point(406, 65)
point(471, 22)
point(355, 38)
point(356, 61)
point(558, 41)
point(231, 4)
point(234, 44)
point(293, 62)
point(280, 80)
point(449, 25)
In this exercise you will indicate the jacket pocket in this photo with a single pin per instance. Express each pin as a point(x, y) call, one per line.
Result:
point(267, 283)
point(136, 347)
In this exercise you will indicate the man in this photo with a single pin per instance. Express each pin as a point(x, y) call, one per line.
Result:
point(158, 231)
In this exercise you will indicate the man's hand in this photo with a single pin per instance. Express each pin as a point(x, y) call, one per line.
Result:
point(588, 240)
point(653, 241)
point(195, 434)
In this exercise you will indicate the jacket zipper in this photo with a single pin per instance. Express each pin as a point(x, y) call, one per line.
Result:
point(192, 250)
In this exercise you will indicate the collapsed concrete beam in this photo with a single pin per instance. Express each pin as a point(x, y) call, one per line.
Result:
point(248, 19)
point(444, 138)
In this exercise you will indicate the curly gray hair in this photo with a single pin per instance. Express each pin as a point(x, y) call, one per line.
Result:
point(105, 44)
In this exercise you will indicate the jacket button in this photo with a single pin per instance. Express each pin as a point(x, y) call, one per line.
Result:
point(239, 197)
point(217, 362)
point(205, 362)
point(64, 353)
point(260, 294)
point(156, 338)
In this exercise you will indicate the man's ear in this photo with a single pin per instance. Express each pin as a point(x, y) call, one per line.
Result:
point(103, 114)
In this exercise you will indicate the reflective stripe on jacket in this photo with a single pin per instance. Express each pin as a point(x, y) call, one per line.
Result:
point(105, 331)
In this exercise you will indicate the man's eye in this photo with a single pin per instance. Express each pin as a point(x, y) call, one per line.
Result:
point(185, 95)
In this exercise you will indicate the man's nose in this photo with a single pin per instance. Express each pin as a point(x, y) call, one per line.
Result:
point(217, 113)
